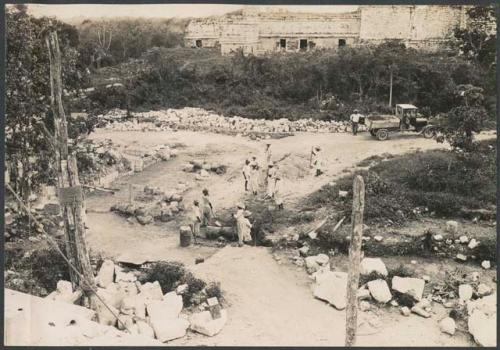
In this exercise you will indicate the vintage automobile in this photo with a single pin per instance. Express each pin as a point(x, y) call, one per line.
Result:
point(406, 118)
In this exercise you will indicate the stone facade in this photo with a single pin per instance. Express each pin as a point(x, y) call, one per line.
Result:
point(281, 31)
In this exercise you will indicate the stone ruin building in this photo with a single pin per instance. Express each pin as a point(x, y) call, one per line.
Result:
point(257, 32)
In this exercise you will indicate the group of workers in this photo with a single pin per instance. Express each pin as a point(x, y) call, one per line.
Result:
point(252, 174)
point(203, 212)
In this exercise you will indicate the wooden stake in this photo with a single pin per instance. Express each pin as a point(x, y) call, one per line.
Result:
point(358, 206)
point(68, 182)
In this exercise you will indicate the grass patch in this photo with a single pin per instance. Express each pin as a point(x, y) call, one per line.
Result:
point(441, 182)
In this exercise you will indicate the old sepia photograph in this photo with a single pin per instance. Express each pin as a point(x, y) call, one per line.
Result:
point(250, 175)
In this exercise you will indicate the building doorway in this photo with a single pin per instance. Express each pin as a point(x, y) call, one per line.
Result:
point(199, 43)
point(342, 42)
point(303, 44)
point(283, 44)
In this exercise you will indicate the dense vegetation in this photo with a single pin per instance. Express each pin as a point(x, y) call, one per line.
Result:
point(319, 84)
point(441, 182)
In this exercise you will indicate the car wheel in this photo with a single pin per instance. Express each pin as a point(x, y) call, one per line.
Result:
point(382, 134)
point(429, 133)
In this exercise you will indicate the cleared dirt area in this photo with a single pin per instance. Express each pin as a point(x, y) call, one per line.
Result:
point(270, 303)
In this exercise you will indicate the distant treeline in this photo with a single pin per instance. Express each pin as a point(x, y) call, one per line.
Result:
point(319, 84)
point(104, 42)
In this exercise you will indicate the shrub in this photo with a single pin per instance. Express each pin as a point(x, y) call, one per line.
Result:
point(195, 286)
point(47, 267)
point(214, 290)
point(166, 273)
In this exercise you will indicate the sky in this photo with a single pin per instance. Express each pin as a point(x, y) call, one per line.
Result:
point(66, 12)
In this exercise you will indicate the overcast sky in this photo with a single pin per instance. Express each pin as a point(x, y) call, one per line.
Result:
point(165, 10)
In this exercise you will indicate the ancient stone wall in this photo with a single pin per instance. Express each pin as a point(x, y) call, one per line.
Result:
point(260, 32)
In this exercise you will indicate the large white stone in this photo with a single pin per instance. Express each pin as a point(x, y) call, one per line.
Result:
point(332, 287)
point(203, 323)
point(465, 292)
point(379, 290)
point(106, 274)
point(166, 328)
point(410, 286)
point(483, 290)
point(447, 325)
point(311, 264)
point(151, 291)
point(145, 329)
point(322, 259)
point(482, 320)
point(369, 265)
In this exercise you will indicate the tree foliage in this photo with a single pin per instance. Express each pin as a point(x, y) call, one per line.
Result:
point(28, 93)
point(478, 40)
point(297, 85)
point(109, 42)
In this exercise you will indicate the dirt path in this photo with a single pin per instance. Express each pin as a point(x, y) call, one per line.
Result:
point(271, 304)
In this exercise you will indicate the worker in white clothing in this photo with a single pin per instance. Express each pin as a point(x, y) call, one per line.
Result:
point(271, 180)
point(355, 117)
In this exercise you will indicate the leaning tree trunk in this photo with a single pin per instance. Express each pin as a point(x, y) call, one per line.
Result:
point(70, 192)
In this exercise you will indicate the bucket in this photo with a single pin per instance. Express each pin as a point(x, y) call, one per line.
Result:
point(185, 236)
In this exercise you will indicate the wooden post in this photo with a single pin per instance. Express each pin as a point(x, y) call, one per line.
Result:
point(390, 91)
point(70, 191)
point(358, 206)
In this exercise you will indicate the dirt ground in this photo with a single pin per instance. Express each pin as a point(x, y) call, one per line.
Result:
point(270, 303)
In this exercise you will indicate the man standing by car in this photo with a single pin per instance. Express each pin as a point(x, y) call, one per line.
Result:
point(355, 117)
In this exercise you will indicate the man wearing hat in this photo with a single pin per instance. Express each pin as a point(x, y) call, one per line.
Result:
point(243, 225)
point(196, 217)
point(271, 180)
point(267, 157)
point(355, 121)
point(316, 162)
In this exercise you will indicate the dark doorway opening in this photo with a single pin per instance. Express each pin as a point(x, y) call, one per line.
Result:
point(303, 45)
point(342, 42)
point(283, 43)
point(199, 43)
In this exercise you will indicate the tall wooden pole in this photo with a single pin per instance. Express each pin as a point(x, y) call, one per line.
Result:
point(358, 206)
point(70, 191)
point(390, 91)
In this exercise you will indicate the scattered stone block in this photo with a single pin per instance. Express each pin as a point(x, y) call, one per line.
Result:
point(405, 311)
point(378, 238)
point(483, 290)
point(482, 320)
point(332, 287)
point(151, 291)
point(473, 243)
point(145, 329)
point(463, 239)
point(203, 323)
point(486, 264)
point(461, 257)
point(465, 292)
point(106, 274)
point(304, 250)
point(311, 264)
point(369, 265)
point(420, 311)
point(413, 287)
point(438, 238)
point(447, 325)
point(379, 290)
point(322, 259)
point(182, 289)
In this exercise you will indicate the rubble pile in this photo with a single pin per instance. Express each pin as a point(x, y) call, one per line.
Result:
point(153, 204)
point(97, 160)
point(203, 169)
point(143, 308)
point(464, 294)
point(197, 119)
point(44, 208)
